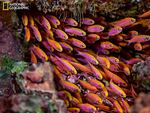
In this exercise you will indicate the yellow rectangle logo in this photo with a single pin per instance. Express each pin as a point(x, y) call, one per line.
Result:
point(5, 5)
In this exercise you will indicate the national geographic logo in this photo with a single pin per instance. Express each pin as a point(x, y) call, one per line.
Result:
point(14, 6)
point(5, 5)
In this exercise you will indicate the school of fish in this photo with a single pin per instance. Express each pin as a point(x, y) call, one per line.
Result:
point(92, 60)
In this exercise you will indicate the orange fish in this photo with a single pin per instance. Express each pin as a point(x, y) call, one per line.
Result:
point(55, 45)
point(95, 71)
point(47, 46)
point(78, 96)
point(144, 15)
point(92, 38)
point(25, 20)
point(132, 34)
point(88, 86)
point(139, 38)
point(114, 68)
point(138, 46)
point(33, 58)
point(61, 34)
point(108, 45)
point(81, 67)
point(133, 61)
point(27, 34)
point(57, 74)
point(71, 22)
point(64, 95)
point(88, 57)
point(95, 28)
point(114, 77)
point(93, 98)
point(104, 92)
point(87, 21)
point(66, 46)
point(68, 65)
point(116, 89)
point(103, 61)
point(70, 86)
point(124, 104)
point(36, 33)
point(76, 42)
point(75, 31)
point(66, 103)
point(98, 84)
point(103, 107)
point(87, 108)
point(73, 110)
point(114, 31)
point(113, 59)
point(75, 102)
point(45, 23)
point(117, 106)
point(67, 57)
point(124, 22)
point(124, 67)
point(40, 53)
point(53, 20)
point(31, 20)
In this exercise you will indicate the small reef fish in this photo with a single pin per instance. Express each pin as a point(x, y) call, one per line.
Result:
point(36, 33)
point(139, 38)
point(87, 21)
point(75, 31)
point(71, 22)
point(115, 31)
point(95, 28)
point(25, 20)
point(60, 33)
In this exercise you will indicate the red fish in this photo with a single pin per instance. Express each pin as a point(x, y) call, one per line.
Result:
point(87, 21)
point(95, 28)
point(115, 31)
point(75, 31)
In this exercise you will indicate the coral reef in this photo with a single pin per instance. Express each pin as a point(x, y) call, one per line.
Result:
point(142, 104)
point(92, 59)
point(141, 75)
